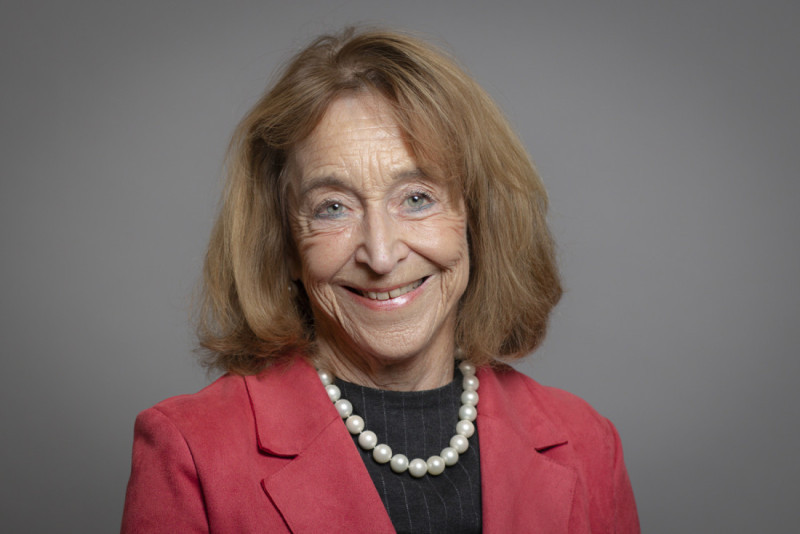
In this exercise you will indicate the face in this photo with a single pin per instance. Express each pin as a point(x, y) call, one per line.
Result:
point(382, 244)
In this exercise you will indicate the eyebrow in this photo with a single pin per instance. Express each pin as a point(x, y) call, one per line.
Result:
point(336, 182)
point(324, 181)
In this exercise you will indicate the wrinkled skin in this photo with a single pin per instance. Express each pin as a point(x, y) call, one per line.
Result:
point(382, 249)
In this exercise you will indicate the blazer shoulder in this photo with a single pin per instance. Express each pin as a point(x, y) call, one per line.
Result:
point(565, 410)
point(219, 404)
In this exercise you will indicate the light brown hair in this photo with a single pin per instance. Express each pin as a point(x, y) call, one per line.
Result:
point(250, 313)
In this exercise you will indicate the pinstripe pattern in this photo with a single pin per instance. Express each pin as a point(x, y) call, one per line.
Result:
point(419, 424)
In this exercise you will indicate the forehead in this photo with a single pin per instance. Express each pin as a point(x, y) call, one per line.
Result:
point(355, 130)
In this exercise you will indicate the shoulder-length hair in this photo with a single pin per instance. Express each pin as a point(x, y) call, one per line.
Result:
point(250, 312)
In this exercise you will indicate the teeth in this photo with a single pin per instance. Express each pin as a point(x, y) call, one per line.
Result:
point(394, 293)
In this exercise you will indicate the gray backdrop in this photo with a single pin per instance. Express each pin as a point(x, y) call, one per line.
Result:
point(666, 132)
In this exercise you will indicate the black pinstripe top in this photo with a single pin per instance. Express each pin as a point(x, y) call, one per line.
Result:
point(420, 424)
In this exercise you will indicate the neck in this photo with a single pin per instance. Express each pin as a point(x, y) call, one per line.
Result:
point(411, 373)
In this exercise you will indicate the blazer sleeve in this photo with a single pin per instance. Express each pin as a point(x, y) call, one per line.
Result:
point(626, 518)
point(164, 493)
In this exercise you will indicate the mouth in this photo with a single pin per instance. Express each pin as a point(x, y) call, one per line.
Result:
point(391, 294)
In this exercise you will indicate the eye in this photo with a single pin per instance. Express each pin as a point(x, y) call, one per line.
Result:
point(418, 201)
point(330, 210)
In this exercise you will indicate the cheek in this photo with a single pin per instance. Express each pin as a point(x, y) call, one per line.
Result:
point(445, 241)
point(323, 254)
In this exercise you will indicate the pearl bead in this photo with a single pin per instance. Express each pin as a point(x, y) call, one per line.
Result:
point(469, 397)
point(325, 377)
point(450, 456)
point(399, 463)
point(467, 369)
point(344, 408)
point(382, 453)
point(467, 412)
point(459, 443)
point(367, 440)
point(471, 383)
point(465, 428)
point(333, 392)
point(417, 467)
point(435, 465)
point(355, 424)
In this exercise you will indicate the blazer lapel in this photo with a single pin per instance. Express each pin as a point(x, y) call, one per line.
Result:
point(522, 489)
point(324, 485)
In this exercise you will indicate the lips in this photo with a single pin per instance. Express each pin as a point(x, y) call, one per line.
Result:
point(391, 294)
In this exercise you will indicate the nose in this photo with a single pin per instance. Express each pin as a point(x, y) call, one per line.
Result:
point(382, 245)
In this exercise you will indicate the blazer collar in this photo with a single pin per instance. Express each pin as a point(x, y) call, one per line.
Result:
point(507, 396)
point(523, 490)
point(324, 483)
point(277, 394)
point(288, 396)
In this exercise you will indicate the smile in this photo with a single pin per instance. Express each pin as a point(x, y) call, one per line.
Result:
point(392, 294)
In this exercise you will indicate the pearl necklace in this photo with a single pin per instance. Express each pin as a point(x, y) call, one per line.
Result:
point(399, 463)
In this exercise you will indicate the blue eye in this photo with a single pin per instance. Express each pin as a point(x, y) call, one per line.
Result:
point(418, 201)
point(330, 210)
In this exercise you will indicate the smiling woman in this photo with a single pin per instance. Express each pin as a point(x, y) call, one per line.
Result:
point(382, 223)
point(456, 137)
point(382, 249)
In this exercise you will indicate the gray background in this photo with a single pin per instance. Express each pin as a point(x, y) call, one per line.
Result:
point(666, 132)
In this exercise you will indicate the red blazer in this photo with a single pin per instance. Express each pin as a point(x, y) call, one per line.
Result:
point(269, 453)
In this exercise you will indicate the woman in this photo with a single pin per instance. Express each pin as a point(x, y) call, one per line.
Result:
point(381, 245)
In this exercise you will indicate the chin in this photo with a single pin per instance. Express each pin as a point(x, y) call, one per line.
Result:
point(392, 352)
point(395, 347)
